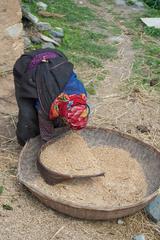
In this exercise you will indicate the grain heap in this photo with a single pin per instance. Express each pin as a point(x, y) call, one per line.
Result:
point(70, 155)
point(124, 182)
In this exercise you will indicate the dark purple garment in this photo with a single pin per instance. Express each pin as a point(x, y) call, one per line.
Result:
point(41, 74)
point(46, 126)
point(40, 58)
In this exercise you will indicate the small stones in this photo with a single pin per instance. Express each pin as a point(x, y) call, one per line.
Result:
point(134, 3)
point(29, 16)
point(139, 237)
point(43, 26)
point(58, 32)
point(129, 131)
point(153, 210)
point(138, 4)
point(143, 129)
point(15, 30)
point(42, 6)
point(58, 40)
point(116, 39)
point(120, 2)
point(120, 222)
point(47, 39)
point(36, 40)
point(48, 45)
point(27, 42)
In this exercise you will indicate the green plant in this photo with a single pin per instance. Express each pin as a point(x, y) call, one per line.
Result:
point(153, 3)
point(95, 2)
point(91, 88)
point(7, 207)
point(1, 189)
point(130, 2)
point(152, 31)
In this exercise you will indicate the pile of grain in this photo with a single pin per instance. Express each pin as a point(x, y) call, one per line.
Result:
point(124, 182)
point(71, 156)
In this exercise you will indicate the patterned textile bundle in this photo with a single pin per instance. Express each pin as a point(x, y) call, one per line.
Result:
point(72, 108)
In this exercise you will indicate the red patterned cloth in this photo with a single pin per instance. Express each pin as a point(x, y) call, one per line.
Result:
point(72, 108)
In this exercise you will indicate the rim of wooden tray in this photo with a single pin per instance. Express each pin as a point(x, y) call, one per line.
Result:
point(70, 204)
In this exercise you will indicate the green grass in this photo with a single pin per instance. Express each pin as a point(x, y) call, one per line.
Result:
point(73, 13)
point(7, 207)
point(137, 43)
point(145, 42)
point(130, 2)
point(80, 44)
point(91, 88)
point(96, 2)
point(152, 31)
point(1, 189)
point(153, 3)
point(34, 47)
point(93, 62)
point(85, 46)
point(146, 65)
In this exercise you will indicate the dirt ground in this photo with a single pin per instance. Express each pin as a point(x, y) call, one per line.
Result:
point(11, 47)
point(29, 219)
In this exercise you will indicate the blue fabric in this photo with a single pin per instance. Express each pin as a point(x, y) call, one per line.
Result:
point(74, 86)
point(36, 104)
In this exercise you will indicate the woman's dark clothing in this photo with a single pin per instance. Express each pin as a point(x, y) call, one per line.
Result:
point(42, 75)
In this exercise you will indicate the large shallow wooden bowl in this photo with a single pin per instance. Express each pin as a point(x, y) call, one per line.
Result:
point(147, 156)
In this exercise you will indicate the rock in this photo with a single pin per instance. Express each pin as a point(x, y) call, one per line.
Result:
point(36, 40)
point(151, 22)
point(153, 210)
point(43, 26)
point(139, 237)
point(138, 4)
point(27, 42)
point(29, 16)
point(120, 222)
point(47, 39)
point(120, 2)
point(27, 24)
point(48, 45)
point(116, 39)
point(42, 6)
point(142, 129)
point(129, 131)
point(15, 30)
point(58, 40)
point(57, 32)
